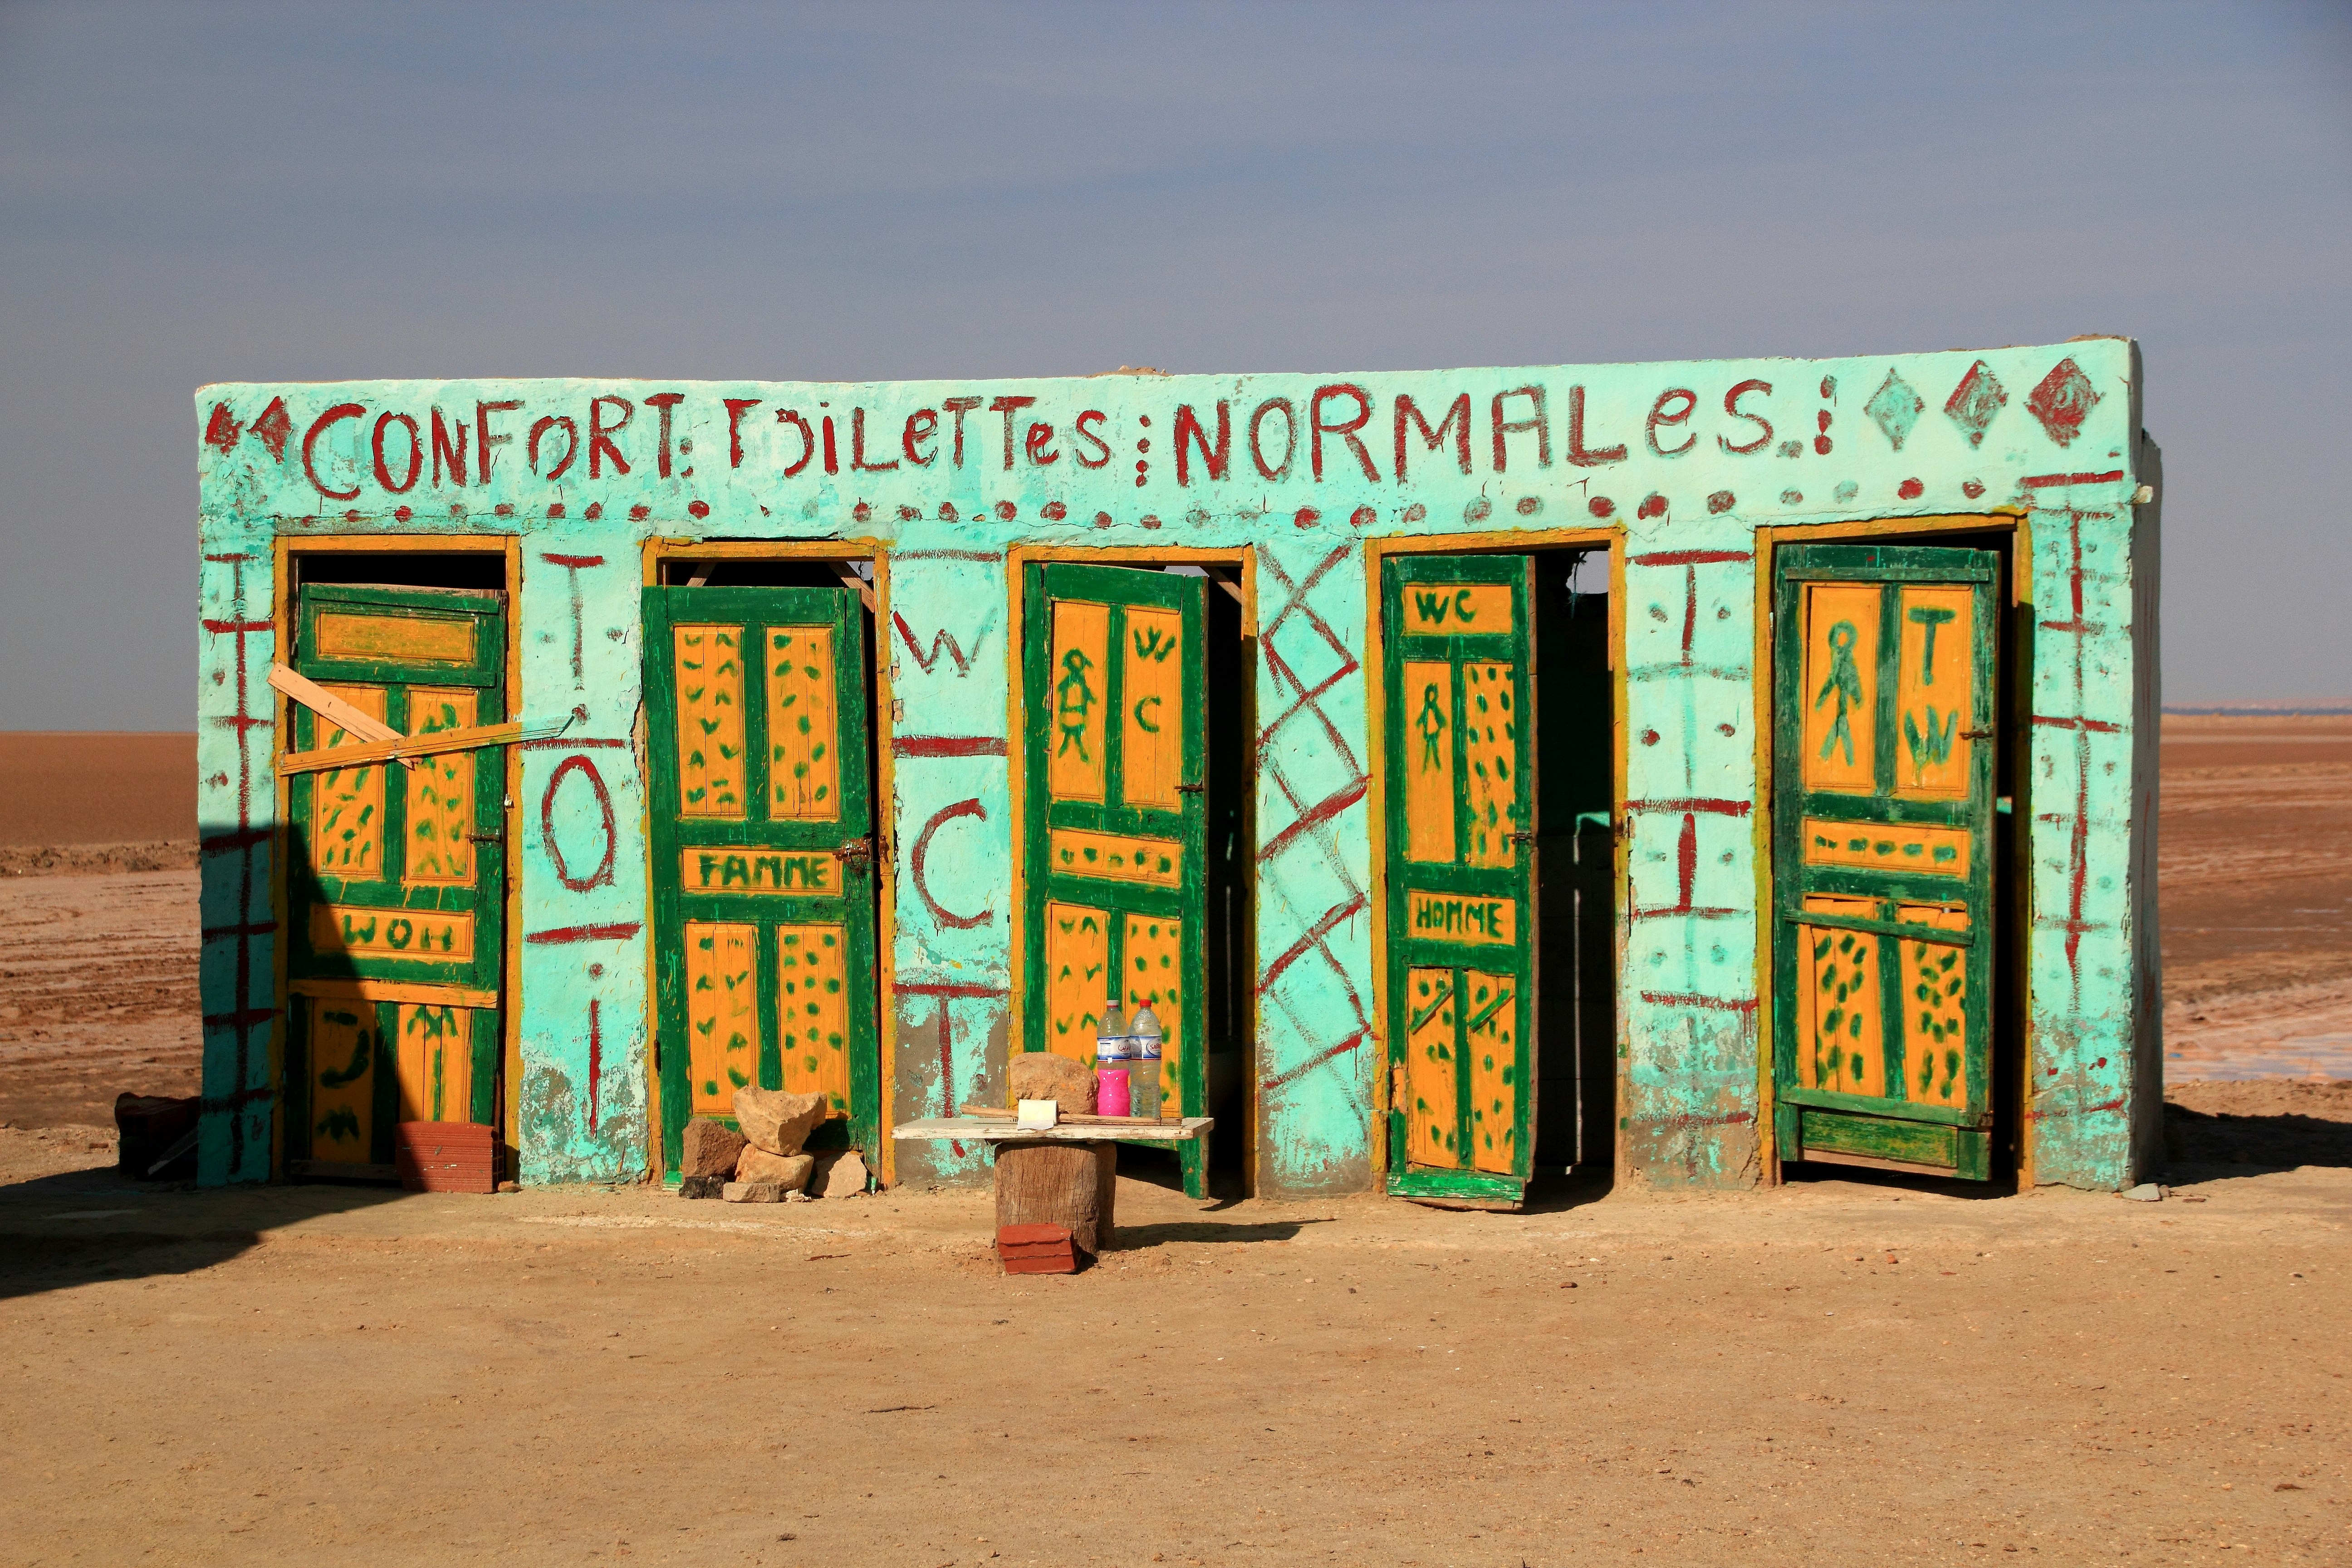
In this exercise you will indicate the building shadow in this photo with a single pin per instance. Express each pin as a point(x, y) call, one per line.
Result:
point(1562, 1191)
point(80, 1228)
point(1814, 1172)
point(1136, 1238)
point(2216, 1146)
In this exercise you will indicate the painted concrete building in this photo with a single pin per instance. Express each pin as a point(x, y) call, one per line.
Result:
point(1683, 768)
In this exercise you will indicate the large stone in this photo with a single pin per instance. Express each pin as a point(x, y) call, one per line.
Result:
point(712, 1148)
point(840, 1173)
point(753, 1193)
point(790, 1172)
point(1047, 1075)
point(777, 1119)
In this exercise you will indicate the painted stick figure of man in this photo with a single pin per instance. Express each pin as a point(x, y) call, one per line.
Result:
point(1846, 683)
point(1074, 699)
point(1431, 723)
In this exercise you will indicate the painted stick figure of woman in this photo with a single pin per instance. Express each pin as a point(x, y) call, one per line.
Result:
point(1072, 700)
point(1846, 681)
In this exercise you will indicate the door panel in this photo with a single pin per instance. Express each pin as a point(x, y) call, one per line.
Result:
point(398, 875)
point(1462, 929)
point(762, 854)
point(1882, 848)
point(1116, 752)
point(368, 1065)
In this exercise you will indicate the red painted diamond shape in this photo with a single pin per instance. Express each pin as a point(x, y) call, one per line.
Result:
point(1975, 402)
point(2062, 401)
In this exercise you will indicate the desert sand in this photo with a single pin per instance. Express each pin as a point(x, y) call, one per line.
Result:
point(98, 788)
point(1842, 1370)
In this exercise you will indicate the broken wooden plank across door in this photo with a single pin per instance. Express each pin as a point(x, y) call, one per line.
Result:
point(1116, 875)
point(763, 855)
point(1882, 854)
point(396, 892)
point(1458, 650)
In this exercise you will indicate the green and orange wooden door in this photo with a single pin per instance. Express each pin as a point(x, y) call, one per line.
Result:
point(764, 850)
point(398, 875)
point(1884, 693)
point(1458, 652)
point(1116, 863)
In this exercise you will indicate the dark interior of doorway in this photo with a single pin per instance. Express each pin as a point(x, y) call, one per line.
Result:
point(1230, 682)
point(1575, 980)
point(479, 569)
point(2012, 655)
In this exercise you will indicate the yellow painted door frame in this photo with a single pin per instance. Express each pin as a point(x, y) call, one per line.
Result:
point(1493, 542)
point(2020, 599)
point(1243, 559)
point(283, 607)
point(656, 553)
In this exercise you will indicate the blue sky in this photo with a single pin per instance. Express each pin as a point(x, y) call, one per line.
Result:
point(226, 191)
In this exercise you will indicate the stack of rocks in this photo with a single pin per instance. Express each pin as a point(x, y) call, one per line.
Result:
point(763, 1163)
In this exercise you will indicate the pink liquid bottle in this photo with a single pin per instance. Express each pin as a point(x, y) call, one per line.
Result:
point(1110, 1062)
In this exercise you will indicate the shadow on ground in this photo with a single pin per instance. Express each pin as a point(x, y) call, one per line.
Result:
point(1135, 1237)
point(2217, 1145)
point(75, 1227)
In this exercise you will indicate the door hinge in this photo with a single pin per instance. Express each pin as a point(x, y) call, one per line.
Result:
point(1521, 838)
point(1190, 788)
point(1979, 735)
point(485, 838)
point(1396, 1087)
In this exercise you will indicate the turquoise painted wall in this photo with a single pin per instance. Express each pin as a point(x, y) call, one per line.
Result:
point(1686, 460)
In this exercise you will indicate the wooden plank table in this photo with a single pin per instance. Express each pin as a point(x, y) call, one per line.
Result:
point(973, 1129)
point(1065, 1174)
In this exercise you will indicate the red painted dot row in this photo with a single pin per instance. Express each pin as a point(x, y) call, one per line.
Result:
point(1478, 510)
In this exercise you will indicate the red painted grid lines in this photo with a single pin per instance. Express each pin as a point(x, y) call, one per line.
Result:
point(244, 1015)
point(1684, 667)
point(2080, 629)
point(947, 992)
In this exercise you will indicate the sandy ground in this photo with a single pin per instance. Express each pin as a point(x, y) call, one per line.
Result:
point(1836, 1373)
point(98, 994)
point(1864, 1372)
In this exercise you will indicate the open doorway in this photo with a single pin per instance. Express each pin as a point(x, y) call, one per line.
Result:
point(1576, 958)
point(1499, 772)
point(1134, 720)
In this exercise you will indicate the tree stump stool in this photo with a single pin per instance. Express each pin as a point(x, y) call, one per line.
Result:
point(1059, 1182)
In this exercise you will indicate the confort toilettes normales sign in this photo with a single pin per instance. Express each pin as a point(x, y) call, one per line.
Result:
point(1375, 431)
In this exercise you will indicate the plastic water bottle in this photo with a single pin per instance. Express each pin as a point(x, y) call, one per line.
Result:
point(1143, 1063)
point(1111, 1051)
